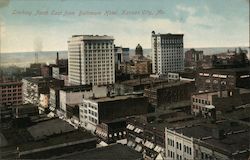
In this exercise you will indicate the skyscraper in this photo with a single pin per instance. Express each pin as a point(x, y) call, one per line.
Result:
point(167, 53)
point(91, 60)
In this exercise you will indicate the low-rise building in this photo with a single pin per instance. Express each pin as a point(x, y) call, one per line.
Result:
point(34, 86)
point(208, 80)
point(193, 58)
point(137, 85)
point(139, 65)
point(114, 151)
point(97, 110)
point(111, 131)
point(45, 139)
point(205, 103)
point(165, 94)
point(220, 140)
point(146, 133)
point(73, 95)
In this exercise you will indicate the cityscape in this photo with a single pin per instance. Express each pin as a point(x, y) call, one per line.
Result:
point(125, 80)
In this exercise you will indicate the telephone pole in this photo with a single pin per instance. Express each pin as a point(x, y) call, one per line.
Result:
point(1, 72)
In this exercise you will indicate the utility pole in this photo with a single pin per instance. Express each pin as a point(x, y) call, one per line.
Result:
point(1, 72)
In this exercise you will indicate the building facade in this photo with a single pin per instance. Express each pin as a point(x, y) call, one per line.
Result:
point(164, 94)
point(121, 56)
point(208, 80)
point(34, 86)
point(11, 93)
point(178, 146)
point(167, 53)
point(220, 140)
point(193, 58)
point(95, 111)
point(91, 60)
point(204, 103)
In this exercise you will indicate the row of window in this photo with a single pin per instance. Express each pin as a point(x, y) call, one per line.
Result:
point(14, 90)
point(104, 53)
point(187, 150)
point(200, 108)
point(201, 101)
point(14, 86)
point(91, 119)
point(179, 146)
point(93, 113)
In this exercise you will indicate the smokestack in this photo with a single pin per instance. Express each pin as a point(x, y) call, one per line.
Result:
point(57, 58)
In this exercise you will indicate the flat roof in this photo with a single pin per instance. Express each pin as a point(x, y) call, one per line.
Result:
point(72, 136)
point(170, 84)
point(40, 79)
point(113, 151)
point(205, 130)
point(115, 98)
point(224, 93)
point(93, 37)
point(49, 127)
point(143, 81)
point(226, 69)
point(232, 143)
point(77, 88)
point(168, 35)
point(9, 83)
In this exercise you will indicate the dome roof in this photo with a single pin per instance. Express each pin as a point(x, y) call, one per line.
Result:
point(138, 50)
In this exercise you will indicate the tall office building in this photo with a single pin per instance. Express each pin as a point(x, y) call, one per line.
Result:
point(91, 60)
point(167, 53)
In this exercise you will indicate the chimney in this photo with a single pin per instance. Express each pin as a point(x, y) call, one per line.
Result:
point(57, 58)
point(218, 133)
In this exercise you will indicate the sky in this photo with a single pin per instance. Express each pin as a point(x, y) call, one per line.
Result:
point(46, 25)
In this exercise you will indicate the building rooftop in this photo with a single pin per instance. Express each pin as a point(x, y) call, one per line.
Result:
point(40, 79)
point(167, 35)
point(143, 81)
point(114, 151)
point(205, 130)
point(9, 83)
point(170, 84)
point(224, 93)
point(77, 88)
point(226, 70)
point(115, 98)
point(233, 143)
point(169, 119)
point(72, 136)
point(49, 127)
point(93, 37)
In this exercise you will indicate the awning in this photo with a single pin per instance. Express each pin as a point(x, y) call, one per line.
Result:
point(138, 148)
point(138, 140)
point(129, 143)
point(138, 130)
point(149, 144)
point(130, 127)
point(158, 149)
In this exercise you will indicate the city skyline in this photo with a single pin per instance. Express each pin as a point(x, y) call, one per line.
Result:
point(203, 23)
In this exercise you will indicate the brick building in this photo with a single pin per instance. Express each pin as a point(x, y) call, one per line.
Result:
point(222, 79)
point(11, 93)
point(175, 91)
point(97, 110)
point(34, 86)
point(193, 58)
point(146, 133)
point(221, 101)
point(111, 131)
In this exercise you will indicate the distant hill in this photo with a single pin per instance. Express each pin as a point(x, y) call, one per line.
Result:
point(25, 58)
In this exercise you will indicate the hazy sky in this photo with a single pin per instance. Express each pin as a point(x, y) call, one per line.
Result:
point(204, 23)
